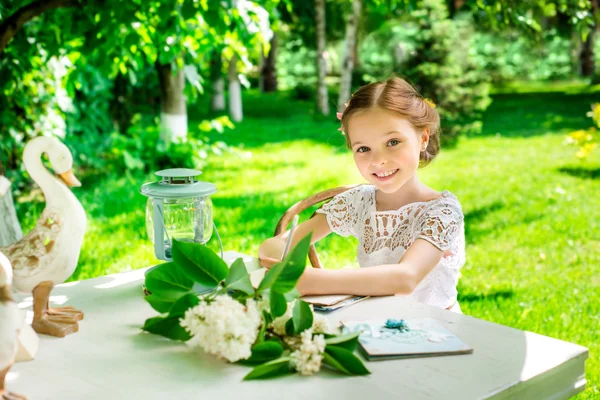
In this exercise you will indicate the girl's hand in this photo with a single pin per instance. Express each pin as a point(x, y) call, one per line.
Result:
point(267, 262)
point(268, 249)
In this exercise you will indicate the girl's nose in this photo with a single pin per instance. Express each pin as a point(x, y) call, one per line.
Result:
point(379, 160)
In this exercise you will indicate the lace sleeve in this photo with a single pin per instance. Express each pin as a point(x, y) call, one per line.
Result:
point(441, 223)
point(343, 212)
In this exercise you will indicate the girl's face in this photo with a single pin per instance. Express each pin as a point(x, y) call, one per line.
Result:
point(386, 148)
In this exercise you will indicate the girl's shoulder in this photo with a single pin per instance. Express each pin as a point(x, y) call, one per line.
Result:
point(447, 204)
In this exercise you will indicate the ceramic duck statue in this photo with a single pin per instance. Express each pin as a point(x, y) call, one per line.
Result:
point(48, 255)
point(9, 323)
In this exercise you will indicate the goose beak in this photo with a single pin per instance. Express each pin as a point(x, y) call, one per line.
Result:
point(69, 179)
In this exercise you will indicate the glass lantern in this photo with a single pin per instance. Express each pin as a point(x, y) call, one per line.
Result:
point(179, 207)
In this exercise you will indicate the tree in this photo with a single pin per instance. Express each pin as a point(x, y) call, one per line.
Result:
point(268, 69)
point(322, 96)
point(530, 15)
point(348, 57)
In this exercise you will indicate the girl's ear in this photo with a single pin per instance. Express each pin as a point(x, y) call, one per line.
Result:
point(425, 138)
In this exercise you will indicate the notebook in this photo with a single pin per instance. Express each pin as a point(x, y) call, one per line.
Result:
point(409, 338)
point(332, 302)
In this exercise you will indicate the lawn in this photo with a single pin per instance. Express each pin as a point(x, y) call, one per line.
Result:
point(532, 210)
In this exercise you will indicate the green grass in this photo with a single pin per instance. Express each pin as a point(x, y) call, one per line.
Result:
point(531, 209)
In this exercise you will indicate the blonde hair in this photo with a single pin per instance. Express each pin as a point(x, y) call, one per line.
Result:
point(398, 97)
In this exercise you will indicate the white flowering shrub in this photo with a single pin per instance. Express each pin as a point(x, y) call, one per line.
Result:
point(269, 327)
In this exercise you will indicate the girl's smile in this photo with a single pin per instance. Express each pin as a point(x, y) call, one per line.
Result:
point(386, 175)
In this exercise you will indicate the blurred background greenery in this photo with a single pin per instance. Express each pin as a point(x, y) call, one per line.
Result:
point(258, 83)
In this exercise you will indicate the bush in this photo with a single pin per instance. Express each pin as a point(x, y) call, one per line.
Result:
point(510, 56)
point(441, 66)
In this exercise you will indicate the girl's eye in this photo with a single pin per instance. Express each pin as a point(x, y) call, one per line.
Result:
point(393, 142)
point(362, 149)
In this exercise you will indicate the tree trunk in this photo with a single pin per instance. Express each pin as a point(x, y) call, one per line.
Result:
point(322, 97)
point(268, 76)
point(348, 56)
point(217, 96)
point(14, 22)
point(235, 91)
point(173, 116)
point(586, 57)
point(10, 230)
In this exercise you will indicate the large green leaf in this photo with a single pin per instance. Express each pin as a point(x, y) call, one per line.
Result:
point(327, 359)
point(159, 304)
point(347, 359)
point(168, 282)
point(283, 276)
point(277, 303)
point(302, 316)
point(264, 351)
point(238, 278)
point(199, 263)
point(348, 341)
point(280, 366)
point(168, 326)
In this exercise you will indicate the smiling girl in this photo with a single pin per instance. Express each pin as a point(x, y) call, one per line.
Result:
point(411, 237)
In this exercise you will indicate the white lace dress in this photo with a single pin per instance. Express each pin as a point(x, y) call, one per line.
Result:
point(384, 236)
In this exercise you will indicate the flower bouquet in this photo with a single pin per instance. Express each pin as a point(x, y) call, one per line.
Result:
point(269, 327)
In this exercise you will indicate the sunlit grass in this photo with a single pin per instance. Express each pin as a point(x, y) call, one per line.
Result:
point(531, 209)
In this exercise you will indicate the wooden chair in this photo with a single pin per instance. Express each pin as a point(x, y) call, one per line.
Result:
point(303, 205)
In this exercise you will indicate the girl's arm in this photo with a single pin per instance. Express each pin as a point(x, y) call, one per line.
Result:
point(381, 280)
point(270, 251)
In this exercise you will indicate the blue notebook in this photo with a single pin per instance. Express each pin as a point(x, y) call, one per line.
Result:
point(413, 337)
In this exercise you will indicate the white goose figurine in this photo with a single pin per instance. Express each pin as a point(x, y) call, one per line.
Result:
point(9, 324)
point(48, 254)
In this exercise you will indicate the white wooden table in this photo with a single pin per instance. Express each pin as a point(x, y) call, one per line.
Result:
point(111, 358)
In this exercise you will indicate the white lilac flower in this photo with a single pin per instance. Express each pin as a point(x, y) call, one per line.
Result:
point(225, 327)
point(322, 325)
point(307, 359)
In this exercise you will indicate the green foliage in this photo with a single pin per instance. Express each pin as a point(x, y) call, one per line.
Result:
point(510, 55)
point(194, 262)
point(200, 264)
point(442, 69)
point(168, 326)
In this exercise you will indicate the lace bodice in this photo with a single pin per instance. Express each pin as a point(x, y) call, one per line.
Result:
point(384, 236)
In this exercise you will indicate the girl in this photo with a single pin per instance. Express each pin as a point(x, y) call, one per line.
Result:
point(410, 236)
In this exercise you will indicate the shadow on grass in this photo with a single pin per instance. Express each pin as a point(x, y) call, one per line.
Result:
point(581, 172)
point(474, 217)
point(537, 113)
point(495, 295)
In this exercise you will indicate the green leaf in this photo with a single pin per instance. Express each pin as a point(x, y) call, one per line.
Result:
point(280, 366)
point(183, 304)
point(159, 304)
point(239, 278)
point(283, 276)
point(348, 341)
point(168, 282)
point(335, 363)
point(265, 351)
point(302, 316)
point(347, 359)
point(278, 304)
point(168, 326)
point(289, 327)
point(199, 263)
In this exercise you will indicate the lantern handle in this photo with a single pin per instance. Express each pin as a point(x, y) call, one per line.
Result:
point(218, 238)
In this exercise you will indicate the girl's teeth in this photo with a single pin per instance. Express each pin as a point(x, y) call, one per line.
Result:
point(386, 174)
